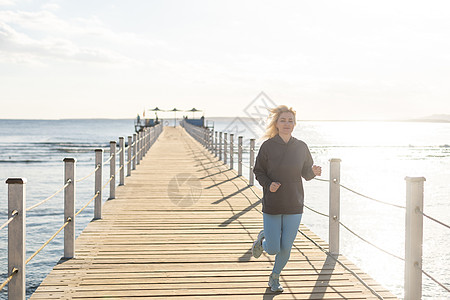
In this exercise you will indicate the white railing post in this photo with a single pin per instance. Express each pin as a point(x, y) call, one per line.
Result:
point(413, 237)
point(225, 145)
point(112, 170)
point(122, 161)
point(231, 151)
point(129, 160)
point(251, 176)
point(240, 156)
point(98, 183)
point(69, 207)
point(334, 206)
point(134, 151)
point(16, 237)
point(215, 143)
point(138, 148)
point(220, 145)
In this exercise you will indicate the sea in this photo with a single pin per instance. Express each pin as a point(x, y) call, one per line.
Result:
point(376, 156)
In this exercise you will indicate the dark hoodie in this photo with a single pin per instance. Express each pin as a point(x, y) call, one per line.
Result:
point(285, 163)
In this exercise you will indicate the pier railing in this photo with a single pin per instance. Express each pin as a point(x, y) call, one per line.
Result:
point(138, 145)
point(214, 142)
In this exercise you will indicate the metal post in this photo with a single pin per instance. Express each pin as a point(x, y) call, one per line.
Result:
point(112, 170)
point(251, 176)
point(231, 150)
point(138, 148)
point(215, 143)
point(16, 237)
point(240, 156)
point(220, 145)
point(413, 237)
point(122, 160)
point(134, 151)
point(69, 207)
point(98, 183)
point(334, 206)
point(150, 137)
point(225, 146)
point(129, 155)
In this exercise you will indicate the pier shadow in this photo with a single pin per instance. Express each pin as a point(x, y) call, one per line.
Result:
point(238, 215)
point(246, 256)
point(230, 195)
point(268, 294)
point(222, 182)
point(210, 175)
point(323, 279)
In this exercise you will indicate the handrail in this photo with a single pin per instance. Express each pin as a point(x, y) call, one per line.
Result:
point(48, 241)
point(10, 277)
point(13, 215)
point(45, 200)
point(86, 205)
point(109, 159)
point(88, 175)
point(433, 219)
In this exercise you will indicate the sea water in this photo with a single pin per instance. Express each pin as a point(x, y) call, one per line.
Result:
point(376, 157)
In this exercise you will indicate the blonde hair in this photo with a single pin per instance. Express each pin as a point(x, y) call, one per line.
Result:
point(271, 129)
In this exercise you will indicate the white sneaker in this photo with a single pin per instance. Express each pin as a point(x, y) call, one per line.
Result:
point(274, 283)
point(257, 248)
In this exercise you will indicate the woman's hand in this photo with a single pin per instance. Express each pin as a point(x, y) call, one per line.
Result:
point(317, 170)
point(274, 186)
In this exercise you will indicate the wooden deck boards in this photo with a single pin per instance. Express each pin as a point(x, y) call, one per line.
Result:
point(182, 227)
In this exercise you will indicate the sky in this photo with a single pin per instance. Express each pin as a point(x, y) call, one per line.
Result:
point(327, 59)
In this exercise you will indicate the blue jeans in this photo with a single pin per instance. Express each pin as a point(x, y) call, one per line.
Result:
point(279, 235)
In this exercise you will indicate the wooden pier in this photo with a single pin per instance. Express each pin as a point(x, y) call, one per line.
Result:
point(183, 226)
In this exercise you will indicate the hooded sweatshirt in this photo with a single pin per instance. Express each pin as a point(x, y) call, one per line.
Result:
point(285, 163)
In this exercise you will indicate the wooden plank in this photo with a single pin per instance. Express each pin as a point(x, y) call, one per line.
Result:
point(147, 246)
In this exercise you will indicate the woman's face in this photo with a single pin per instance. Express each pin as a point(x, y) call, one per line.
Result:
point(285, 123)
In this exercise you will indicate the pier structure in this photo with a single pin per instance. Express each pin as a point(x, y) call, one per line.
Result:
point(183, 224)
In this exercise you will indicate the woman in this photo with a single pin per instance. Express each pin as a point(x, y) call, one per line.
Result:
point(281, 163)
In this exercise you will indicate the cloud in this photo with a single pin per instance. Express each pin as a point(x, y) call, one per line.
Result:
point(20, 47)
point(7, 2)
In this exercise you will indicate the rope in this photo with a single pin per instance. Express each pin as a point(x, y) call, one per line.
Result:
point(431, 218)
point(358, 236)
point(118, 152)
point(435, 280)
point(120, 168)
point(370, 198)
point(111, 178)
point(86, 205)
point(88, 175)
point(13, 272)
point(109, 159)
point(13, 215)
point(45, 200)
point(319, 213)
point(49, 240)
point(319, 179)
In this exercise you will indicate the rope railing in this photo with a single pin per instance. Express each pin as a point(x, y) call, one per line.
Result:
point(109, 159)
point(87, 204)
point(48, 241)
point(13, 215)
point(433, 219)
point(106, 184)
point(118, 152)
point(88, 175)
point(370, 198)
point(433, 279)
point(10, 277)
point(45, 200)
